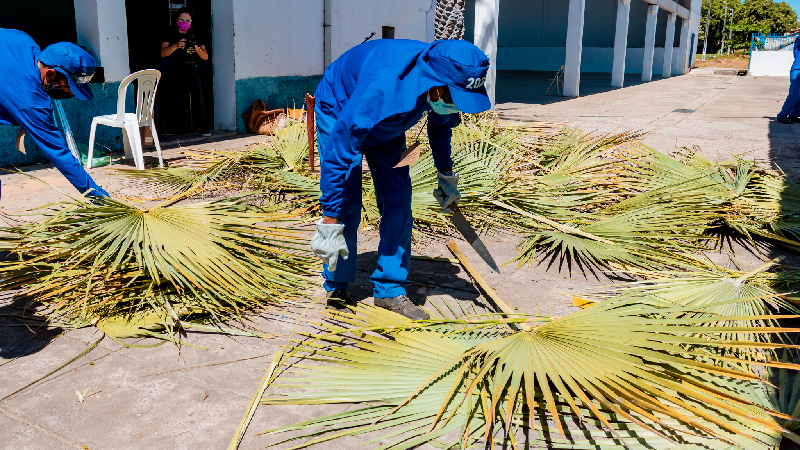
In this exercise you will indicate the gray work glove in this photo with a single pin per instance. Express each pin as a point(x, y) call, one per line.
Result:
point(447, 192)
point(328, 243)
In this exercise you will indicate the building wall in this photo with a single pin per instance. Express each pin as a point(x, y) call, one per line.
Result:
point(278, 46)
point(772, 64)
point(353, 20)
point(277, 52)
point(532, 35)
point(593, 59)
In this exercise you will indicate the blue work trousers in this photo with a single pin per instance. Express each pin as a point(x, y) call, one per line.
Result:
point(393, 194)
point(791, 107)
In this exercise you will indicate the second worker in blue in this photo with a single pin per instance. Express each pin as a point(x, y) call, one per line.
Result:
point(367, 99)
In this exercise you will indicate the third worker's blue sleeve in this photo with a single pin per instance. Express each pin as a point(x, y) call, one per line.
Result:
point(40, 126)
point(440, 132)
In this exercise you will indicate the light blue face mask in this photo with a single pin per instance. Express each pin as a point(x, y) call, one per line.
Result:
point(441, 107)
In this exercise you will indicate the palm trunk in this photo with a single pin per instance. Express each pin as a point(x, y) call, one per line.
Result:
point(449, 21)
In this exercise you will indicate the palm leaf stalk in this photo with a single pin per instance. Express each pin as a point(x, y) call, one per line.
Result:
point(631, 366)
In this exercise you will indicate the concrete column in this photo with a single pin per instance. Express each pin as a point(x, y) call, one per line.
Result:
point(222, 40)
point(572, 62)
point(620, 43)
point(487, 13)
point(666, 69)
point(683, 54)
point(649, 42)
point(327, 25)
point(102, 28)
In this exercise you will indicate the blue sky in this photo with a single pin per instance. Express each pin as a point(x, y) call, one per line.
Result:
point(794, 4)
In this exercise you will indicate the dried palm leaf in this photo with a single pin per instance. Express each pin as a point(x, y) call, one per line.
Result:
point(92, 259)
point(626, 365)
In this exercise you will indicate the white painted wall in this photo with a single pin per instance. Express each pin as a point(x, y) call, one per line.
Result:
point(277, 38)
point(773, 64)
point(353, 20)
point(594, 59)
point(102, 28)
point(485, 32)
point(694, 27)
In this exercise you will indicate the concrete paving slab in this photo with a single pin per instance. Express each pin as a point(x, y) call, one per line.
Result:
point(129, 412)
point(19, 433)
point(24, 370)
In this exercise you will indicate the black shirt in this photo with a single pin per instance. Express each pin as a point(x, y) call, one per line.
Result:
point(182, 56)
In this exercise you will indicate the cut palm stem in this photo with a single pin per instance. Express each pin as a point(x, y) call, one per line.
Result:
point(265, 382)
point(498, 302)
point(558, 226)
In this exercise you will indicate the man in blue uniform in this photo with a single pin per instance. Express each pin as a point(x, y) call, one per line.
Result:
point(366, 101)
point(29, 78)
point(791, 107)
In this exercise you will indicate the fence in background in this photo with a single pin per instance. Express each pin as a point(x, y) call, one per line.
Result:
point(772, 42)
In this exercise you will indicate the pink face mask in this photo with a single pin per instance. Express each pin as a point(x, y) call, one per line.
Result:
point(183, 26)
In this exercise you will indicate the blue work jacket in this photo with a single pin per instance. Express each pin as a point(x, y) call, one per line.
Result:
point(24, 103)
point(375, 92)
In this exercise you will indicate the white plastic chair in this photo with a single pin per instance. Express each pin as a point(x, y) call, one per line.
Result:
point(130, 122)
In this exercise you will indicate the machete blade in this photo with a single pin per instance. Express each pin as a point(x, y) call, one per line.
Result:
point(471, 236)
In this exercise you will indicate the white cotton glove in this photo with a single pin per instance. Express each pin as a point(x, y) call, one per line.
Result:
point(447, 192)
point(328, 243)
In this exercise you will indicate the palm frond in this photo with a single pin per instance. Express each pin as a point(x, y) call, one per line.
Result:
point(626, 365)
point(90, 259)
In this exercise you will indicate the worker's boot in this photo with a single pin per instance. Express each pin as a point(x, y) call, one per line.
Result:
point(340, 299)
point(404, 306)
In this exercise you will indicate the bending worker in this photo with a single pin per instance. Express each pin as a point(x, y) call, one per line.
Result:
point(366, 101)
point(29, 78)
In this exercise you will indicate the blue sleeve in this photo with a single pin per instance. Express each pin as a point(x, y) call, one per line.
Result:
point(440, 132)
point(40, 126)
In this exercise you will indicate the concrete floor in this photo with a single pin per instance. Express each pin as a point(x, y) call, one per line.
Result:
point(134, 404)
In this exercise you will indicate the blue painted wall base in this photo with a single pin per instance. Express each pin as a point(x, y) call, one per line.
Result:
point(277, 92)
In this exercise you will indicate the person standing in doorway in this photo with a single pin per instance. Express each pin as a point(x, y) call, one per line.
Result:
point(790, 113)
point(185, 52)
point(29, 79)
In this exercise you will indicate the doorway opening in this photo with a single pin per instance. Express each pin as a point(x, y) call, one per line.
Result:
point(150, 22)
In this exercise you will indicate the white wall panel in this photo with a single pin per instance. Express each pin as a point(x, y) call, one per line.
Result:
point(353, 20)
point(278, 37)
point(773, 64)
point(102, 27)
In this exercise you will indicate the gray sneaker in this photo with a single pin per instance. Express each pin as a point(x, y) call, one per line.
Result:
point(404, 306)
point(340, 299)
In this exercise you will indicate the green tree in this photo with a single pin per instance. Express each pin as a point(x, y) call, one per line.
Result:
point(750, 16)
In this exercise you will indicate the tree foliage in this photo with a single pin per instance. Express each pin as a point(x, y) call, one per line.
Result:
point(749, 17)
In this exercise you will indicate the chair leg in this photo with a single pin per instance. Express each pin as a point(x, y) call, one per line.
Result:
point(90, 154)
point(158, 144)
point(126, 141)
point(136, 144)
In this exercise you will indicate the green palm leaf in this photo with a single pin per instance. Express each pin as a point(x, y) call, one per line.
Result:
point(84, 258)
point(627, 365)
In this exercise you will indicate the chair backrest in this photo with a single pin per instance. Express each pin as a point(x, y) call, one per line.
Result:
point(146, 84)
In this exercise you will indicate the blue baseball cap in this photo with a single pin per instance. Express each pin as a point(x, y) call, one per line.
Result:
point(463, 66)
point(75, 63)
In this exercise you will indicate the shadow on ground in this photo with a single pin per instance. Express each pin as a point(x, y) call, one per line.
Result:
point(19, 334)
point(425, 279)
